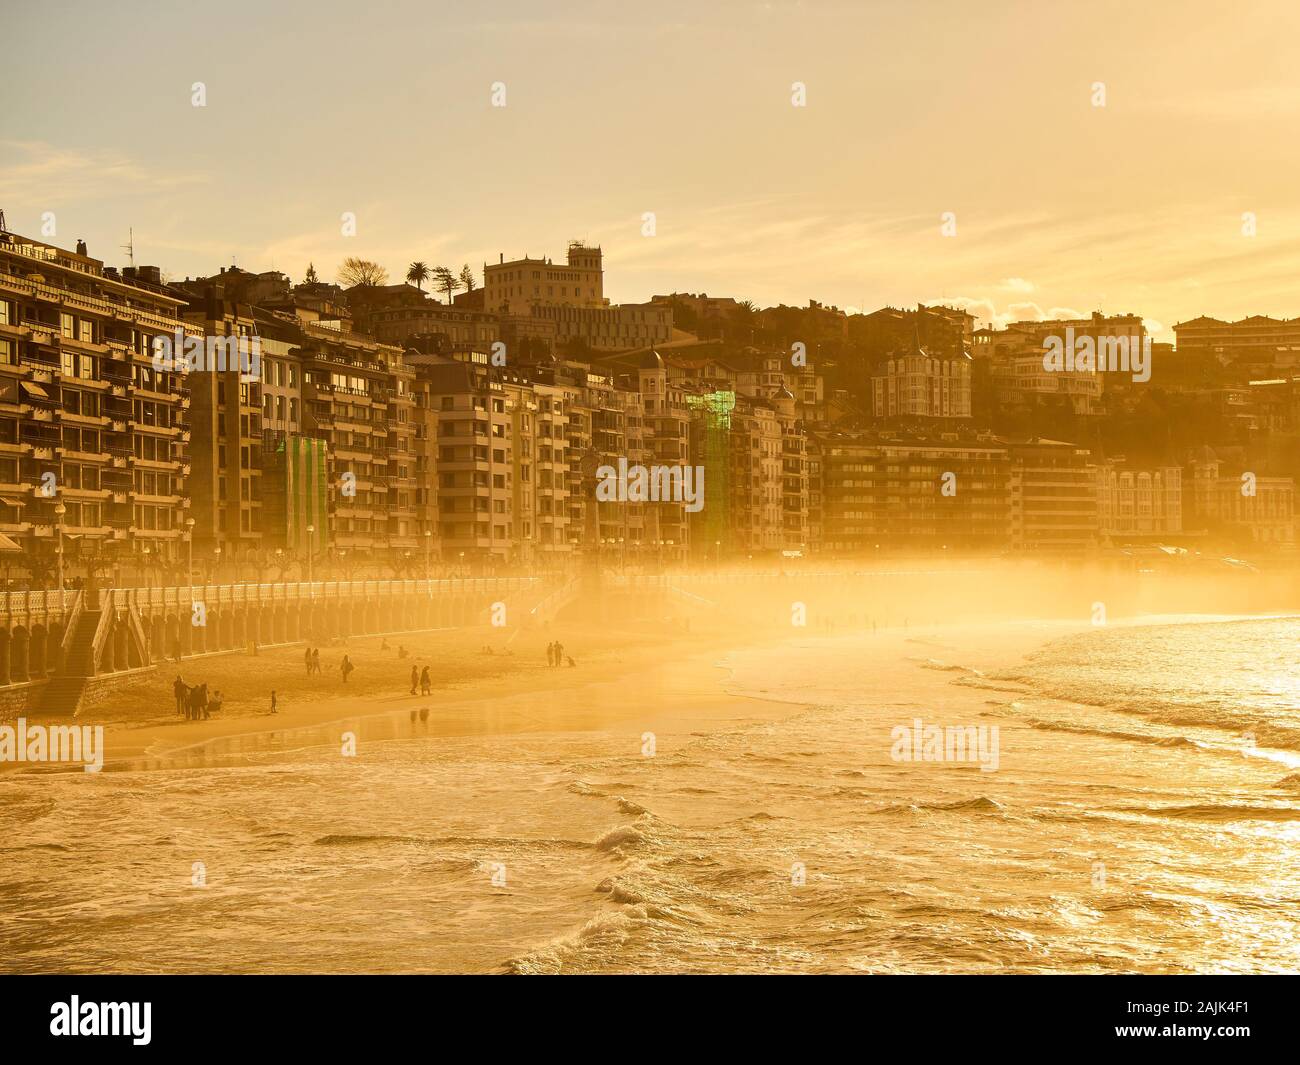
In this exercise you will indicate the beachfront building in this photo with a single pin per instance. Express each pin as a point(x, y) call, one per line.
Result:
point(225, 483)
point(93, 439)
point(1139, 503)
point(1053, 490)
point(888, 490)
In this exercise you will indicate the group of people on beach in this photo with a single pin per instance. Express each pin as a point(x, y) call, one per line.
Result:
point(311, 659)
point(555, 655)
point(194, 701)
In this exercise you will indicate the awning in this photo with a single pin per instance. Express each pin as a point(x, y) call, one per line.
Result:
point(7, 544)
point(35, 389)
point(13, 502)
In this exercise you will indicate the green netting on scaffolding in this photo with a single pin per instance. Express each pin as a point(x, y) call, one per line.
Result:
point(712, 425)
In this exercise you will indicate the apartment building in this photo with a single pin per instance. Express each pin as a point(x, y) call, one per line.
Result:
point(93, 439)
point(1014, 361)
point(884, 490)
point(912, 383)
point(225, 483)
point(1136, 503)
point(1053, 498)
point(356, 397)
point(1243, 505)
point(1257, 341)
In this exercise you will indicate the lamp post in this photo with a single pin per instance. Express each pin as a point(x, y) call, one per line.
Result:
point(428, 544)
point(311, 543)
point(59, 511)
point(216, 564)
point(189, 553)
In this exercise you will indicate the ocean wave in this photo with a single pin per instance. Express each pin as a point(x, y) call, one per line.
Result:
point(602, 935)
point(625, 836)
point(1220, 812)
point(348, 839)
point(979, 803)
point(1114, 734)
point(947, 667)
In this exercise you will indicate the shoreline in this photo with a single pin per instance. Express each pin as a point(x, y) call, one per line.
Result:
point(706, 661)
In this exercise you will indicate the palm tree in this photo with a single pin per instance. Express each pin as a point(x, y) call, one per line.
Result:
point(417, 274)
point(445, 281)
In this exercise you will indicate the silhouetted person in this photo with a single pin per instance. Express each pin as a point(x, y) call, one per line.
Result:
point(179, 690)
point(559, 653)
point(415, 679)
point(273, 700)
point(426, 685)
point(315, 660)
point(307, 659)
point(346, 668)
point(550, 653)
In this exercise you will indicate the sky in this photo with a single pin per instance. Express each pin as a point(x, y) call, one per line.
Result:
point(983, 112)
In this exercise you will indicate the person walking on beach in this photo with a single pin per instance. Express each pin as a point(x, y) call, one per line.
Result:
point(273, 700)
point(179, 690)
point(415, 679)
point(346, 668)
point(426, 684)
point(307, 658)
point(559, 653)
point(550, 653)
point(315, 660)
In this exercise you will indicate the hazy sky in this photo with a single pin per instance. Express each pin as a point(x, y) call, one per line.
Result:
point(616, 109)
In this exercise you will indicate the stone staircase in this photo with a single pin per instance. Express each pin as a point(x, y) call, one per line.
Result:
point(62, 695)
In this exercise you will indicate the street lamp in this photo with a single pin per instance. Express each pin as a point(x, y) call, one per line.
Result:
point(428, 543)
point(59, 511)
point(311, 543)
point(189, 553)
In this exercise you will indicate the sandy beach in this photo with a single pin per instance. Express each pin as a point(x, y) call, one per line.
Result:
point(672, 804)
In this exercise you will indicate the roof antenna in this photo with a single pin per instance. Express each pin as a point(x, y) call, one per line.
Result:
point(129, 246)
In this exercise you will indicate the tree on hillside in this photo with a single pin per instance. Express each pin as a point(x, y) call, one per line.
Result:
point(310, 278)
point(445, 281)
point(467, 281)
point(417, 274)
point(361, 272)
